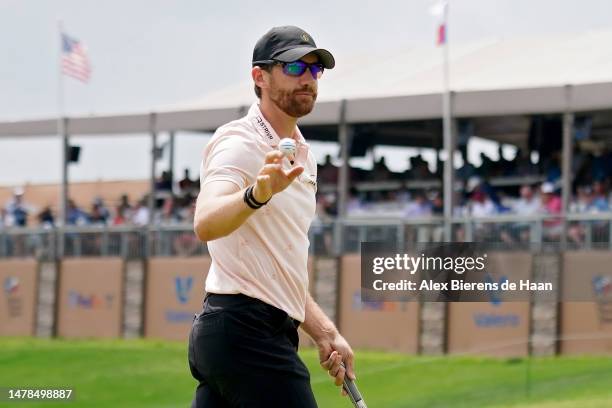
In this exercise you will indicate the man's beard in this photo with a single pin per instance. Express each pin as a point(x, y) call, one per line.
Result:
point(288, 102)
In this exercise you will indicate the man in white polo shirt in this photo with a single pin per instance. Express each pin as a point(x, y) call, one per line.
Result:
point(254, 211)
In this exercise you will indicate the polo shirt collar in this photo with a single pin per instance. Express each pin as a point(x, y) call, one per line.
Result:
point(266, 130)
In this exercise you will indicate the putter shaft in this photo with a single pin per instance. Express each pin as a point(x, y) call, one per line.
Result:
point(353, 392)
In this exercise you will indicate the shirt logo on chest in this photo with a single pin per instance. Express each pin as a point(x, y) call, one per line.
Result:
point(309, 179)
point(263, 127)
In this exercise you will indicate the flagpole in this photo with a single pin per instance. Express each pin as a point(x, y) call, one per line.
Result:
point(447, 135)
point(63, 133)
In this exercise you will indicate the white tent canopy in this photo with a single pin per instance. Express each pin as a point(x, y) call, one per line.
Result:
point(501, 77)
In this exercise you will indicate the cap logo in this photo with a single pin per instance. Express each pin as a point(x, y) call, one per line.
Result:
point(305, 37)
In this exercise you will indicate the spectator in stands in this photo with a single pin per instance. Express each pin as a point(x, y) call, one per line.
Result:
point(584, 196)
point(354, 204)
point(169, 214)
point(119, 218)
point(327, 172)
point(186, 244)
point(460, 203)
point(487, 166)
point(124, 208)
point(419, 207)
point(600, 192)
point(437, 203)
point(99, 213)
point(328, 204)
point(437, 210)
point(528, 205)
point(74, 215)
point(380, 172)
point(168, 240)
point(390, 202)
point(183, 208)
point(16, 210)
point(420, 168)
point(588, 201)
point(141, 214)
point(480, 205)
point(551, 204)
point(45, 217)
point(550, 200)
point(164, 183)
point(187, 186)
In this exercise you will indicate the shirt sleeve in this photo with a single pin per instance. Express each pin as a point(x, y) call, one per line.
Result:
point(230, 157)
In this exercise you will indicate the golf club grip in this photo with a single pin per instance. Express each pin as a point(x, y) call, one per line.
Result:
point(353, 392)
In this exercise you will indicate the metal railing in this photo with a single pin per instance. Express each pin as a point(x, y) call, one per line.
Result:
point(128, 242)
point(505, 232)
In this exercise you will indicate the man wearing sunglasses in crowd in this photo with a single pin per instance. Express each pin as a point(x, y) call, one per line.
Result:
point(254, 210)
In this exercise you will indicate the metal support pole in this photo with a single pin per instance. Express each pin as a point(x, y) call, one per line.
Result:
point(449, 166)
point(449, 146)
point(566, 165)
point(62, 131)
point(344, 139)
point(62, 219)
point(171, 154)
point(343, 175)
point(151, 203)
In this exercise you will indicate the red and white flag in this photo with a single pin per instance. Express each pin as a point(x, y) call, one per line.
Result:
point(74, 59)
point(439, 10)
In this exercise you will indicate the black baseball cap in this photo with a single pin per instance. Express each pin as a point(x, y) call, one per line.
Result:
point(288, 44)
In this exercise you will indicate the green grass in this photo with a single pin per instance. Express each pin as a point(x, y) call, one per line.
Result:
point(143, 373)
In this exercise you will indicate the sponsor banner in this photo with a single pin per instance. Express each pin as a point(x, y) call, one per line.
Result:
point(175, 290)
point(374, 323)
point(18, 297)
point(495, 327)
point(586, 327)
point(90, 297)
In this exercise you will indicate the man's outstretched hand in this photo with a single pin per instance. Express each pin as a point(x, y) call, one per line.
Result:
point(272, 178)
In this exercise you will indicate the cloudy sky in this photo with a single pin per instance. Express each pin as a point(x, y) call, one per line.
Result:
point(148, 53)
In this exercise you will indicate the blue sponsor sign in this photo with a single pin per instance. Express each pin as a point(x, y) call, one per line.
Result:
point(496, 320)
point(182, 292)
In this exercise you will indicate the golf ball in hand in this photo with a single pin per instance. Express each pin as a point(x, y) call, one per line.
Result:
point(287, 146)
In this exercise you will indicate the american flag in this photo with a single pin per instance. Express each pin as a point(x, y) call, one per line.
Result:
point(74, 59)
